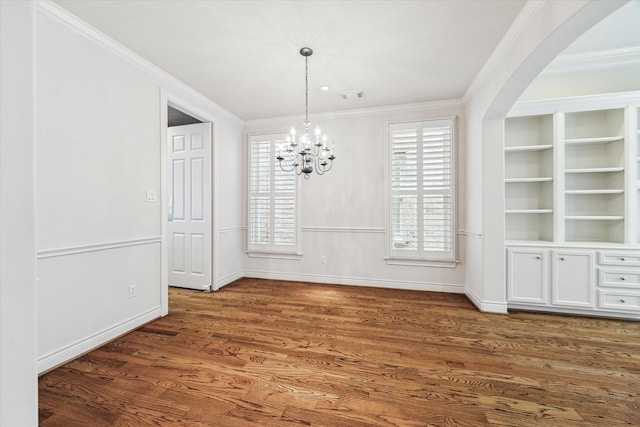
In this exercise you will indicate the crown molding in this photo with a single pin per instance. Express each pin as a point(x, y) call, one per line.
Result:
point(387, 109)
point(592, 60)
point(72, 22)
point(576, 103)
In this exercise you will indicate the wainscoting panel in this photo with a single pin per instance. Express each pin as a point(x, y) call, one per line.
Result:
point(84, 297)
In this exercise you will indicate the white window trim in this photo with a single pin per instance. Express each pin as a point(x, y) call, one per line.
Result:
point(426, 259)
point(262, 251)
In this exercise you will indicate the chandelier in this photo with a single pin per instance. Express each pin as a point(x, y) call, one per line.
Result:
point(307, 153)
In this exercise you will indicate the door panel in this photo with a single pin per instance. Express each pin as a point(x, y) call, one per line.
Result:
point(189, 169)
point(527, 276)
point(573, 280)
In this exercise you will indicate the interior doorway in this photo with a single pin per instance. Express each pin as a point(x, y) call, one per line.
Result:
point(188, 201)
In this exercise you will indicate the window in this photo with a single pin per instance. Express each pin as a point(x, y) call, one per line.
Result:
point(272, 199)
point(422, 206)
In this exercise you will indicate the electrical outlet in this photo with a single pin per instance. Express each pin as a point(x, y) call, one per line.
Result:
point(323, 259)
point(133, 291)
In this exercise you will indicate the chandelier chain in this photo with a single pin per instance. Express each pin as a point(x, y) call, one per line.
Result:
point(306, 88)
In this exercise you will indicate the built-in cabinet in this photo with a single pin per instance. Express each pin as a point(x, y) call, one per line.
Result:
point(572, 200)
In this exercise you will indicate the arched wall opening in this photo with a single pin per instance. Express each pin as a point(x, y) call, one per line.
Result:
point(548, 28)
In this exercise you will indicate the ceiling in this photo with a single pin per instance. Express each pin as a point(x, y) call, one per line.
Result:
point(244, 54)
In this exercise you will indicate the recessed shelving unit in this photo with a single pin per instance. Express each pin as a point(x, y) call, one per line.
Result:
point(529, 178)
point(572, 205)
point(571, 173)
point(594, 165)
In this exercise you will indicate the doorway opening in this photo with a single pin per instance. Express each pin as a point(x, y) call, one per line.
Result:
point(187, 146)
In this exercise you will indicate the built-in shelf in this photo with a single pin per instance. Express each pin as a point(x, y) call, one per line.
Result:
point(587, 141)
point(538, 179)
point(594, 170)
point(529, 148)
point(528, 211)
point(609, 191)
point(594, 217)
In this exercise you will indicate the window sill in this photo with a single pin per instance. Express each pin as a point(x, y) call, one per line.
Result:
point(420, 262)
point(275, 255)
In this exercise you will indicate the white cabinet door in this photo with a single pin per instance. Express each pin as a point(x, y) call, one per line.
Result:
point(528, 276)
point(573, 280)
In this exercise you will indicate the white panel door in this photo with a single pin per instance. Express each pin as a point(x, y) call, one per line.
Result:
point(189, 206)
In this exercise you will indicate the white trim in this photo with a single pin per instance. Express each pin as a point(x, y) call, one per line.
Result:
point(227, 280)
point(486, 306)
point(295, 256)
point(231, 229)
point(389, 109)
point(469, 233)
point(84, 345)
point(72, 250)
point(72, 22)
point(356, 281)
point(591, 60)
point(575, 311)
point(317, 229)
point(528, 12)
point(421, 262)
point(575, 103)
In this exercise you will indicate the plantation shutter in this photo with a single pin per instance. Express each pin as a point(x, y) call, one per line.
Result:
point(272, 198)
point(422, 190)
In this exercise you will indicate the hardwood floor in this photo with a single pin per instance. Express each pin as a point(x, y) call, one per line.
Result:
point(269, 353)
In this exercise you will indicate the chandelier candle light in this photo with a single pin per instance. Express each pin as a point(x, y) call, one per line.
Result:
point(301, 156)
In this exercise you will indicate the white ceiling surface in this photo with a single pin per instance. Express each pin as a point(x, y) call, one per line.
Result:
point(244, 54)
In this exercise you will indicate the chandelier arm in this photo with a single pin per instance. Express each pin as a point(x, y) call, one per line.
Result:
point(293, 166)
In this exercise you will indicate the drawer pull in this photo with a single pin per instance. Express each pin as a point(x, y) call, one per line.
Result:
point(621, 259)
point(561, 258)
point(622, 301)
point(623, 279)
point(537, 257)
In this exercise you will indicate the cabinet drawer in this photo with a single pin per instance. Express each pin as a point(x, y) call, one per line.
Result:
point(631, 259)
point(619, 299)
point(619, 278)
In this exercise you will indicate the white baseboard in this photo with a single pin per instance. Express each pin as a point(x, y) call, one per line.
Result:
point(226, 280)
point(486, 306)
point(356, 281)
point(65, 354)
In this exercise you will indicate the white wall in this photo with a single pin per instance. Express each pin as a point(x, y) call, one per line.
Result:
point(100, 123)
point(540, 33)
point(343, 213)
point(18, 375)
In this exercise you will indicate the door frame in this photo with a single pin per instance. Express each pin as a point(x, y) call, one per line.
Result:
point(167, 99)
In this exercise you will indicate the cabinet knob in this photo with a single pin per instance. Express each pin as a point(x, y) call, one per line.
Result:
point(622, 278)
point(537, 257)
point(622, 301)
point(561, 258)
point(621, 259)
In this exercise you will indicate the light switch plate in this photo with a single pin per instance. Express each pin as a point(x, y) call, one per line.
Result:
point(152, 196)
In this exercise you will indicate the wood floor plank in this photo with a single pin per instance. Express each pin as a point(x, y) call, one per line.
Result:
point(275, 353)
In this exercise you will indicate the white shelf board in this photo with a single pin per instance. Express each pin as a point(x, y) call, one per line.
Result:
point(587, 141)
point(528, 148)
point(610, 191)
point(594, 217)
point(539, 179)
point(528, 211)
point(593, 170)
